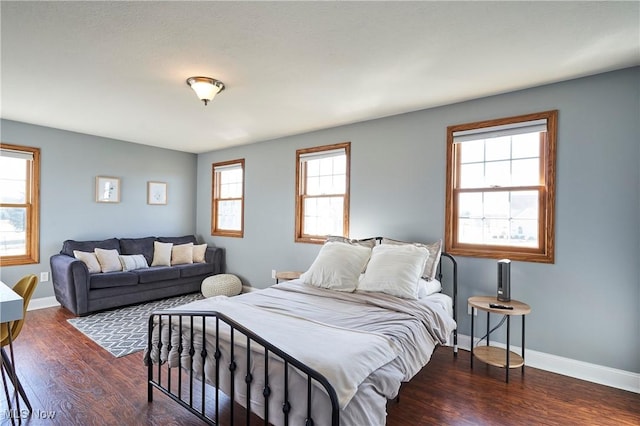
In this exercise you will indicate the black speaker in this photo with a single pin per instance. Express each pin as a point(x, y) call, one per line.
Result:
point(504, 280)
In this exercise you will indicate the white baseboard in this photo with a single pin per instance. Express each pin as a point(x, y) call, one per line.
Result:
point(607, 376)
point(42, 302)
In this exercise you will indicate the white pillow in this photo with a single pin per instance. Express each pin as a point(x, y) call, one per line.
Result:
point(337, 266)
point(427, 288)
point(395, 270)
point(435, 250)
point(182, 254)
point(131, 262)
point(161, 254)
point(199, 253)
point(108, 260)
point(89, 259)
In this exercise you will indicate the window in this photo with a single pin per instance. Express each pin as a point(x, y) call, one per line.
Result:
point(501, 188)
point(19, 211)
point(227, 218)
point(322, 192)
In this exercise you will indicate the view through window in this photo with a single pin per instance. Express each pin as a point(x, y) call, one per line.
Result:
point(501, 187)
point(19, 197)
point(322, 185)
point(228, 199)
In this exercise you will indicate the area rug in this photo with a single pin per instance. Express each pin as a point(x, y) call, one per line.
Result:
point(123, 331)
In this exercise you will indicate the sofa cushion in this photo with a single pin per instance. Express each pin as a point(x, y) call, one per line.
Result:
point(112, 279)
point(157, 273)
point(195, 269)
point(143, 246)
point(89, 246)
point(186, 239)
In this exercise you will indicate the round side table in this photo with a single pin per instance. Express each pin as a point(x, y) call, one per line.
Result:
point(492, 355)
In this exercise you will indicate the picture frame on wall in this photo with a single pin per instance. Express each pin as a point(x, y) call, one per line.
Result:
point(107, 189)
point(156, 193)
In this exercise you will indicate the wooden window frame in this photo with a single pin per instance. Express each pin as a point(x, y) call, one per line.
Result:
point(215, 229)
point(300, 237)
point(545, 253)
point(32, 207)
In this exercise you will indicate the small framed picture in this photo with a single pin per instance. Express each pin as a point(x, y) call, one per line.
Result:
point(107, 189)
point(156, 192)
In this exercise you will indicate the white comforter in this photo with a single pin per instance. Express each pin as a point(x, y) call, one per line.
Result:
point(365, 344)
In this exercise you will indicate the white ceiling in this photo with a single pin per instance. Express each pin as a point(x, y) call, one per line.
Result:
point(118, 69)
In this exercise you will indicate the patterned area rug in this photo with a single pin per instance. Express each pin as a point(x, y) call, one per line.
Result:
point(123, 331)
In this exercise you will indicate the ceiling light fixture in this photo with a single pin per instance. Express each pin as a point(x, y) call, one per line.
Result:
point(205, 87)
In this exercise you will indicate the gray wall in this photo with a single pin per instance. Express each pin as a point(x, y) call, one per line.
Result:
point(585, 306)
point(68, 210)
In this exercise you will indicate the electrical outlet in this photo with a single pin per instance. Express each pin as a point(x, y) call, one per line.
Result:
point(469, 309)
point(273, 274)
point(44, 277)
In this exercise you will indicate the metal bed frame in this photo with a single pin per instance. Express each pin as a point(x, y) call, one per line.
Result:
point(163, 377)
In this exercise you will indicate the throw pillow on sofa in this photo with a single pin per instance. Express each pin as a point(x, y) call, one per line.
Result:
point(132, 262)
point(161, 254)
point(199, 253)
point(108, 259)
point(182, 254)
point(89, 259)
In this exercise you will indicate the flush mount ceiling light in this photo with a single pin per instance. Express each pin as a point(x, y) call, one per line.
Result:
point(205, 87)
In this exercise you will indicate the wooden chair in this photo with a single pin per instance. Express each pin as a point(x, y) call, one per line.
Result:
point(25, 288)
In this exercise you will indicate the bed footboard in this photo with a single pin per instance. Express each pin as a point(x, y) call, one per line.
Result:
point(219, 370)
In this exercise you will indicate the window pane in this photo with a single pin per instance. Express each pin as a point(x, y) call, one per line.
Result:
point(326, 166)
point(471, 205)
point(499, 218)
point(472, 151)
point(13, 223)
point(470, 231)
point(496, 231)
point(526, 145)
point(229, 215)
point(525, 172)
point(498, 148)
point(340, 165)
point(323, 216)
point(326, 176)
point(313, 167)
point(524, 205)
point(472, 175)
point(498, 173)
point(230, 183)
point(496, 205)
point(13, 180)
point(524, 233)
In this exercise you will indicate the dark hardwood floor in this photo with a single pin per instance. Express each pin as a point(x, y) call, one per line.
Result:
point(67, 374)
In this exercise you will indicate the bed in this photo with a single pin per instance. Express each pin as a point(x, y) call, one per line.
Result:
point(304, 351)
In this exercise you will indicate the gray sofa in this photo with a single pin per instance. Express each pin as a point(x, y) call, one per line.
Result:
point(82, 292)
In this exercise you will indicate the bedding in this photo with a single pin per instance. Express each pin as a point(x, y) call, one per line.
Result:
point(365, 343)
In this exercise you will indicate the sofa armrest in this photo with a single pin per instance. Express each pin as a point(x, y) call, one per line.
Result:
point(70, 278)
point(215, 255)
